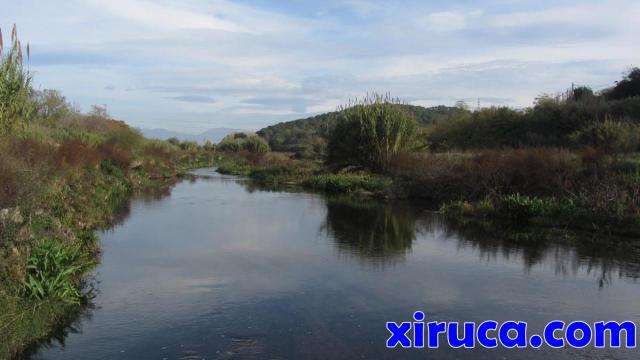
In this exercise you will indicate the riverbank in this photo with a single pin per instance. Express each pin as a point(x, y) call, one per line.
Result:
point(57, 193)
point(552, 187)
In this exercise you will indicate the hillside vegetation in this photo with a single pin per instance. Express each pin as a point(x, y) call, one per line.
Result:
point(307, 138)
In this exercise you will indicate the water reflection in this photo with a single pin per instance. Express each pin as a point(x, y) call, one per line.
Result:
point(379, 233)
point(375, 233)
point(69, 324)
point(569, 252)
point(223, 269)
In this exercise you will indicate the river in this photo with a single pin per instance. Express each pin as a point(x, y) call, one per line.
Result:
point(219, 269)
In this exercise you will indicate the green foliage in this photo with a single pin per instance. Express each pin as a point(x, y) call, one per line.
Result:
point(371, 132)
point(189, 145)
point(244, 142)
point(521, 207)
point(629, 86)
point(307, 138)
point(611, 136)
point(582, 92)
point(514, 207)
point(51, 104)
point(53, 272)
point(349, 182)
point(486, 128)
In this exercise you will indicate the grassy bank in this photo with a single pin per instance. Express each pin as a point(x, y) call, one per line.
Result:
point(276, 169)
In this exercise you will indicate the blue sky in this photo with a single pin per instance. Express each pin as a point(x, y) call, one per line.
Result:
point(190, 65)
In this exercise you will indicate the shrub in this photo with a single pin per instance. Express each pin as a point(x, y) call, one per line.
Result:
point(611, 136)
point(371, 132)
point(244, 142)
point(451, 176)
point(493, 127)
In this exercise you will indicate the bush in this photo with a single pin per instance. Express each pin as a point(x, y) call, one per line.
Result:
point(371, 132)
point(244, 142)
point(611, 136)
point(451, 176)
point(493, 127)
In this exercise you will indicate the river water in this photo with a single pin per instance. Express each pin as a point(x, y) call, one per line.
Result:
point(219, 269)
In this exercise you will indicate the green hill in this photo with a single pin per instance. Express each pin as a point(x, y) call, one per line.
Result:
point(307, 137)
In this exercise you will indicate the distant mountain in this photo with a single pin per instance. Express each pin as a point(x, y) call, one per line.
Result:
point(307, 137)
point(213, 135)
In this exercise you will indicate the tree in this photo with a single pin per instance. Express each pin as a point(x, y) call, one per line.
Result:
point(627, 87)
point(582, 92)
point(371, 132)
point(99, 111)
point(51, 104)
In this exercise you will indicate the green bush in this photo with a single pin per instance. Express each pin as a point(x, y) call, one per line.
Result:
point(244, 142)
point(611, 136)
point(371, 132)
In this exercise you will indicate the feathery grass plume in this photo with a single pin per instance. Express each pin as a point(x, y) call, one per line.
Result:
point(1, 43)
point(369, 132)
point(16, 106)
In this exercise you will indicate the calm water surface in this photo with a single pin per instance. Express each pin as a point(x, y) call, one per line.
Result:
point(220, 270)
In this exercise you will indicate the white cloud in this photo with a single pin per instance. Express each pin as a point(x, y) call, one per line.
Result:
point(450, 20)
point(230, 51)
point(165, 16)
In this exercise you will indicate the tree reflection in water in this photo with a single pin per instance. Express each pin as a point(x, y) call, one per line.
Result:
point(569, 252)
point(379, 233)
point(375, 233)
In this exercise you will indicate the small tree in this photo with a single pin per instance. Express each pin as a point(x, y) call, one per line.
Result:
point(99, 111)
point(51, 104)
point(370, 132)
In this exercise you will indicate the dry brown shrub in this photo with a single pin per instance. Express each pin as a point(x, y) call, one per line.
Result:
point(76, 153)
point(25, 167)
point(532, 171)
point(122, 158)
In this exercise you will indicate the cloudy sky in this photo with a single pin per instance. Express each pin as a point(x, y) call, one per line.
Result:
point(191, 65)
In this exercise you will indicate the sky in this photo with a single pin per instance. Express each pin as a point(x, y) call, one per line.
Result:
point(192, 65)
